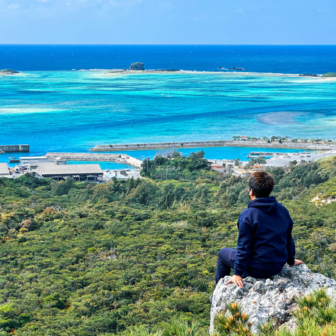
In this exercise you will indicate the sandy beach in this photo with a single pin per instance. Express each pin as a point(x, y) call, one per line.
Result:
point(120, 72)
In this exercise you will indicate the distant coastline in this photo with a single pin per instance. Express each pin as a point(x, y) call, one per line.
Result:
point(125, 72)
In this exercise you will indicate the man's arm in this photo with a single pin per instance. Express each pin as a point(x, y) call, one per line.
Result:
point(291, 247)
point(244, 246)
point(237, 279)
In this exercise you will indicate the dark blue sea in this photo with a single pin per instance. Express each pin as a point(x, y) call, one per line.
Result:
point(275, 59)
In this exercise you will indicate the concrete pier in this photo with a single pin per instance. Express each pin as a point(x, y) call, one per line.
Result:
point(266, 153)
point(213, 143)
point(118, 158)
point(14, 149)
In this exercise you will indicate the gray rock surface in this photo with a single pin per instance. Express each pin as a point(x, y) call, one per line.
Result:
point(265, 299)
point(137, 66)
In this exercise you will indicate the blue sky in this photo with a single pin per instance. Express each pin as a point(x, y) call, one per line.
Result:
point(168, 22)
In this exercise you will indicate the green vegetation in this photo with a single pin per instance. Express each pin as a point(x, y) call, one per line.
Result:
point(137, 66)
point(330, 74)
point(180, 168)
point(84, 259)
point(256, 160)
point(316, 316)
point(234, 323)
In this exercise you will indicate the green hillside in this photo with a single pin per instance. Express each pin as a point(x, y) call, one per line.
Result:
point(84, 259)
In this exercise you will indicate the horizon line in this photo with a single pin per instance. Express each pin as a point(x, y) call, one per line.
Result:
point(156, 44)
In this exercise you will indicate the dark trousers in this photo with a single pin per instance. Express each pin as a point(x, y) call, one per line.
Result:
point(225, 262)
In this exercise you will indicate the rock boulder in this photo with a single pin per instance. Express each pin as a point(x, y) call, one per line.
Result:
point(265, 299)
point(137, 66)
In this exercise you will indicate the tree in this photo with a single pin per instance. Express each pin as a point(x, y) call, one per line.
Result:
point(146, 167)
point(257, 160)
point(63, 187)
point(197, 156)
point(176, 154)
point(144, 193)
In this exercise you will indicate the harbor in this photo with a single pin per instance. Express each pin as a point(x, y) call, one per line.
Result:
point(58, 167)
point(88, 166)
point(117, 158)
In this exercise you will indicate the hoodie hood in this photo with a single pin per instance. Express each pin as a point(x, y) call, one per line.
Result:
point(266, 204)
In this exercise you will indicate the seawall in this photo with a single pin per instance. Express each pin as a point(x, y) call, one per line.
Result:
point(14, 149)
point(118, 158)
point(213, 143)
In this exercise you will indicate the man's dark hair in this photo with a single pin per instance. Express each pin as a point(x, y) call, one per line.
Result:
point(261, 184)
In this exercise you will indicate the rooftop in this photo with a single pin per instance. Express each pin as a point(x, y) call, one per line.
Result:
point(4, 169)
point(76, 169)
point(32, 158)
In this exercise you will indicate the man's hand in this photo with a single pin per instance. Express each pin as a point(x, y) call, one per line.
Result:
point(237, 280)
point(298, 262)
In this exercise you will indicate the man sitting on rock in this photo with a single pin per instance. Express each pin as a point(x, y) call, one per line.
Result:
point(265, 240)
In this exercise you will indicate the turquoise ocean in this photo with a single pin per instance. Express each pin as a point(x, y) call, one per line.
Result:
point(69, 110)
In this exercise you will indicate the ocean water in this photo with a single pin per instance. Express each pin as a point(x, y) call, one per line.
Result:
point(275, 59)
point(53, 108)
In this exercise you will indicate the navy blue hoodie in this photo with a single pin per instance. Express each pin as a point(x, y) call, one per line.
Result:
point(265, 240)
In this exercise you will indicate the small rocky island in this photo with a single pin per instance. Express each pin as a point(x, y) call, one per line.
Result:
point(137, 66)
point(8, 72)
point(330, 74)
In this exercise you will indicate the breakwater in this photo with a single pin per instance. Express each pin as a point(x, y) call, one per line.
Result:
point(117, 158)
point(213, 143)
point(14, 149)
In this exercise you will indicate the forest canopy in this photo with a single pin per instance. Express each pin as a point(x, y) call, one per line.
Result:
point(96, 259)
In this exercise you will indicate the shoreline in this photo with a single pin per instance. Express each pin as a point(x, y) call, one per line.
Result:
point(188, 72)
point(120, 72)
point(214, 143)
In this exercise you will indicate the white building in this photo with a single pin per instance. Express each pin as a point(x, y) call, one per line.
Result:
point(80, 172)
